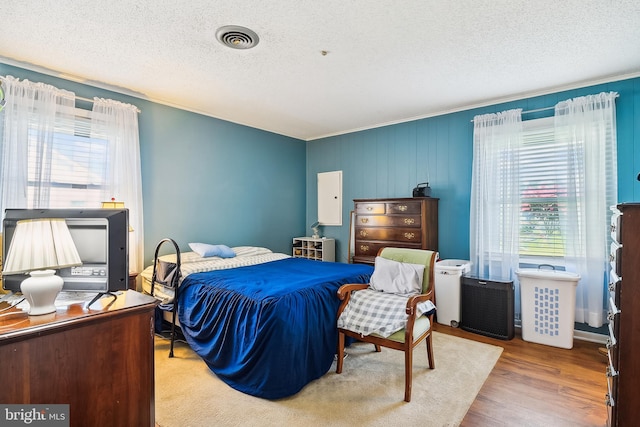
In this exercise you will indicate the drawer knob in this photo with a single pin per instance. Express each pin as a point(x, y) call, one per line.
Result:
point(608, 400)
point(409, 236)
point(369, 208)
point(364, 248)
point(409, 221)
point(402, 208)
point(363, 233)
point(364, 220)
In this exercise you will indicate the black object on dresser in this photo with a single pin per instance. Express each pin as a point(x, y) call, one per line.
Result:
point(623, 372)
point(486, 307)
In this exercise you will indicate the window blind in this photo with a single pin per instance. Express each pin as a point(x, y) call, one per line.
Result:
point(544, 175)
point(77, 171)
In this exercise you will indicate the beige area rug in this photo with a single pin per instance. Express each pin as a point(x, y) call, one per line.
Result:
point(369, 392)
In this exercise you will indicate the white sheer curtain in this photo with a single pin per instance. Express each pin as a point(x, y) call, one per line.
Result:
point(35, 115)
point(587, 125)
point(118, 123)
point(33, 111)
point(582, 139)
point(495, 197)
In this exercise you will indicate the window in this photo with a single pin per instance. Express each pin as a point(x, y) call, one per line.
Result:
point(78, 168)
point(54, 155)
point(543, 190)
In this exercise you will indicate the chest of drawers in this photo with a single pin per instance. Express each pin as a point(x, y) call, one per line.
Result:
point(399, 222)
point(623, 371)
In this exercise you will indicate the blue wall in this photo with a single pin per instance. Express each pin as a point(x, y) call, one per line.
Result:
point(209, 180)
point(389, 161)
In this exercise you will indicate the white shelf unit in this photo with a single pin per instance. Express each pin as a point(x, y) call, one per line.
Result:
point(321, 249)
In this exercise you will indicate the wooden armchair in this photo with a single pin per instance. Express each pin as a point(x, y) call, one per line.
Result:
point(418, 328)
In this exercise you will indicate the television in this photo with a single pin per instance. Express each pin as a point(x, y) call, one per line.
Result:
point(101, 237)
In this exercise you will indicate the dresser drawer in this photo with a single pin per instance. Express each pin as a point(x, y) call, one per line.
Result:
point(616, 225)
point(611, 396)
point(388, 221)
point(390, 208)
point(400, 208)
point(371, 208)
point(615, 259)
point(371, 248)
point(613, 316)
point(408, 235)
point(615, 283)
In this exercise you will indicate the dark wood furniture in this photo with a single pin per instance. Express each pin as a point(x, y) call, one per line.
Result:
point(400, 223)
point(133, 284)
point(623, 372)
point(418, 328)
point(98, 360)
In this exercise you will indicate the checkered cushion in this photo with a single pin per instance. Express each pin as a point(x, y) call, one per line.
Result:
point(382, 313)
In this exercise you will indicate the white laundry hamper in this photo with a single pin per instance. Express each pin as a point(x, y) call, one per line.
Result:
point(548, 306)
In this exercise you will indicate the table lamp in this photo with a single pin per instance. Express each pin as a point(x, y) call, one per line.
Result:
point(38, 247)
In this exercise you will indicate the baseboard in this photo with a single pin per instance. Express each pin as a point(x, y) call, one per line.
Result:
point(590, 336)
point(580, 335)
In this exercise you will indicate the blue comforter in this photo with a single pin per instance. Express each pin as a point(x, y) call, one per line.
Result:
point(267, 329)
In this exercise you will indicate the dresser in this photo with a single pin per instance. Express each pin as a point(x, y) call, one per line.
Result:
point(98, 360)
point(623, 372)
point(401, 223)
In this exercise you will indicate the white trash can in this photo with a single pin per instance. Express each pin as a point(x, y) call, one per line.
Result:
point(548, 306)
point(448, 277)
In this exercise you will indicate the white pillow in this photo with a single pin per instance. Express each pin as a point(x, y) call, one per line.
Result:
point(205, 250)
point(396, 277)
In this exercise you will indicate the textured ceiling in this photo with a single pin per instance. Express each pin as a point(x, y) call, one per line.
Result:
point(387, 61)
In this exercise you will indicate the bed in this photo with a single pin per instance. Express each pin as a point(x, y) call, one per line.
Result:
point(264, 322)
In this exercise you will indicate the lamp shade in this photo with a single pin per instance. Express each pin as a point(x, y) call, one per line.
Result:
point(40, 244)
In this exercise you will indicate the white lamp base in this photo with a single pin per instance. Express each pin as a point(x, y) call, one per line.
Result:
point(41, 290)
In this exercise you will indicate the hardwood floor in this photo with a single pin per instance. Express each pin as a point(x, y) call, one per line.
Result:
point(539, 385)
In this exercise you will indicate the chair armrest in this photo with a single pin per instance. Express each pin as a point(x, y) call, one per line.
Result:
point(345, 290)
point(344, 294)
point(415, 299)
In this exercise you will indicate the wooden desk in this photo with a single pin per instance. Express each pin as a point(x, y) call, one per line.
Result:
point(133, 285)
point(99, 360)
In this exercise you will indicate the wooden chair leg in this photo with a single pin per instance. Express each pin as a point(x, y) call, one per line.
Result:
point(432, 363)
point(408, 370)
point(378, 349)
point(340, 353)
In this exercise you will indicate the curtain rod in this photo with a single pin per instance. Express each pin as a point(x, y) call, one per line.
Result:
point(82, 98)
point(537, 110)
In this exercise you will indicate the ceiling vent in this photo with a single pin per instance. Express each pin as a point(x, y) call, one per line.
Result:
point(237, 37)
